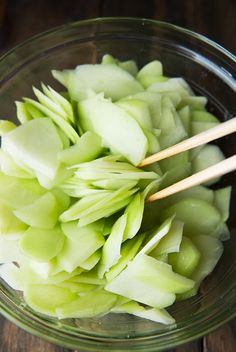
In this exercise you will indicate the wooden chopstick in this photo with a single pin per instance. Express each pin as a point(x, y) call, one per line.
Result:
point(216, 132)
point(217, 170)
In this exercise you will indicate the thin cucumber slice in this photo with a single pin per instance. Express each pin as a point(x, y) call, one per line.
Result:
point(211, 250)
point(195, 102)
point(89, 305)
point(154, 314)
point(201, 126)
point(128, 251)
point(127, 284)
point(110, 122)
point(17, 192)
point(222, 201)
point(87, 148)
point(186, 260)
point(160, 274)
point(57, 119)
point(10, 273)
point(170, 243)
point(78, 247)
point(6, 126)
point(10, 225)
point(43, 213)
point(190, 210)
point(42, 245)
point(209, 155)
point(115, 82)
point(154, 103)
point(185, 116)
point(47, 298)
point(59, 100)
point(139, 111)
point(35, 144)
point(203, 116)
point(134, 212)
point(91, 261)
point(22, 112)
point(9, 251)
point(112, 247)
point(155, 237)
point(10, 168)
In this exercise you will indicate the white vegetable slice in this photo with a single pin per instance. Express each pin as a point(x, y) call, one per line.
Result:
point(43, 213)
point(127, 284)
point(35, 144)
point(112, 247)
point(17, 192)
point(78, 248)
point(89, 305)
point(88, 147)
point(10, 273)
point(222, 201)
point(47, 298)
point(119, 130)
point(9, 250)
point(10, 168)
point(10, 225)
point(154, 314)
point(42, 245)
point(110, 79)
point(134, 212)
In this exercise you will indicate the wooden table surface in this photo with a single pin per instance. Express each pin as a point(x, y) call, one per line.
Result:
point(20, 19)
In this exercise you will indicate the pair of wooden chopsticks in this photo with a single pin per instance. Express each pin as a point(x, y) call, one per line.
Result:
point(216, 170)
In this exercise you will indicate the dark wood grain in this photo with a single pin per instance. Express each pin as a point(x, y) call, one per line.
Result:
point(20, 19)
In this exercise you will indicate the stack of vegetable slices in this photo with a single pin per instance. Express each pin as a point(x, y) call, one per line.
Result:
point(75, 233)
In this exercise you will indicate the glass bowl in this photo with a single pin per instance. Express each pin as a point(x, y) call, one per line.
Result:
point(210, 70)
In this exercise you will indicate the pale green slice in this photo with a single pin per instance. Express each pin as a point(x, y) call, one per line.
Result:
point(6, 126)
point(211, 250)
point(170, 243)
point(209, 155)
point(190, 210)
point(43, 213)
point(10, 225)
point(222, 201)
point(10, 168)
point(10, 273)
point(186, 260)
point(47, 298)
point(128, 251)
point(110, 122)
point(160, 274)
point(17, 192)
point(22, 112)
point(134, 212)
point(154, 314)
point(35, 144)
point(127, 284)
point(40, 244)
point(91, 304)
point(110, 79)
point(111, 251)
point(87, 148)
point(9, 250)
point(79, 247)
point(139, 111)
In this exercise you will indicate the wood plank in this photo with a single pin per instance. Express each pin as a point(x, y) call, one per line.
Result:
point(21, 22)
point(14, 339)
point(221, 340)
point(128, 8)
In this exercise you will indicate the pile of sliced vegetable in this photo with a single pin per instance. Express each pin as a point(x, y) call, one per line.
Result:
point(75, 233)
